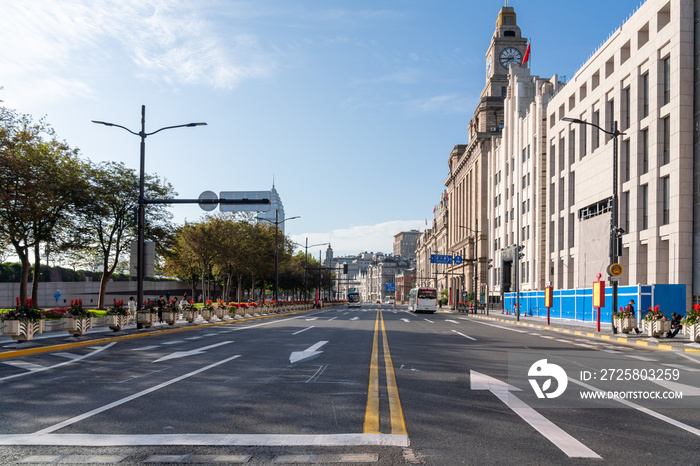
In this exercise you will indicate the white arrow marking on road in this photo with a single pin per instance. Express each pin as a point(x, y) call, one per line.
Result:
point(565, 442)
point(355, 318)
point(453, 321)
point(465, 336)
point(309, 352)
point(183, 354)
point(405, 320)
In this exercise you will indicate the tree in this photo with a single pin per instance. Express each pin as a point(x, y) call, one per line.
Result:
point(105, 225)
point(41, 181)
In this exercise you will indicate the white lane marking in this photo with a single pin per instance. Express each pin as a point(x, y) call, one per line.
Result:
point(355, 318)
point(184, 354)
point(547, 337)
point(172, 342)
point(66, 355)
point(641, 358)
point(194, 338)
point(303, 330)
point(405, 320)
point(332, 318)
point(498, 326)
point(106, 407)
point(584, 345)
point(642, 409)
point(680, 366)
point(465, 336)
point(453, 321)
point(612, 351)
point(687, 390)
point(144, 348)
point(562, 440)
point(312, 318)
point(563, 341)
point(307, 353)
point(95, 440)
point(27, 366)
point(428, 320)
point(70, 361)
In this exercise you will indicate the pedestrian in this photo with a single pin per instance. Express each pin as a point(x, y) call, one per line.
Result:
point(132, 308)
point(629, 312)
point(675, 325)
point(161, 305)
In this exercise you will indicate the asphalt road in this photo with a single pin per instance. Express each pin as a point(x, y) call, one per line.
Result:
point(352, 386)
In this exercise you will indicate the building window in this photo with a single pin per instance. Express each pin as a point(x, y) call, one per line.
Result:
point(628, 107)
point(626, 158)
point(582, 136)
point(645, 95)
point(665, 200)
point(644, 142)
point(626, 210)
point(666, 135)
point(572, 147)
point(596, 132)
point(645, 206)
point(667, 80)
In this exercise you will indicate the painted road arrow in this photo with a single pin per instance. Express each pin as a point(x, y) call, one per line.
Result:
point(405, 320)
point(565, 442)
point(308, 353)
point(184, 354)
point(355, 318)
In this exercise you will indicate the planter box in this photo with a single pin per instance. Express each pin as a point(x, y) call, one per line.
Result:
point(189, 316)
point(207, 314)
point(117, 323)
point(170, 317)
point(692, 332)
point(77, 327)
point(657, 328)
point(220, 313)
point(147, 319)
point(21, 330)
point(626, 325)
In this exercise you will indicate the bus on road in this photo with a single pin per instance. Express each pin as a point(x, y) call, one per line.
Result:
point(422, 300)
point(354, 299)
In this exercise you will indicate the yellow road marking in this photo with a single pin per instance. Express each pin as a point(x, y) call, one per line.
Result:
point(372, 411)
point(398, 424)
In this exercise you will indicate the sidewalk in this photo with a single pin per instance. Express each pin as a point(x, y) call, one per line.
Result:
point(588, 329)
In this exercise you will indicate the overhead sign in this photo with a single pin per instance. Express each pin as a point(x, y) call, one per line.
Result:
point(458, 260)
point(390, 287)
point(440, 259)
point(247, 195)
point(208, 196)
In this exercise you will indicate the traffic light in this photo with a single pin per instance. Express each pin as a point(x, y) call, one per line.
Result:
point(345, 269)
point(489, 263)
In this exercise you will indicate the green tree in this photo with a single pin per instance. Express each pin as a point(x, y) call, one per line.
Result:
point(41, 181)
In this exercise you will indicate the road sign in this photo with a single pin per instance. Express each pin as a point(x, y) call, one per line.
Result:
point(458, 260)
point(208, 196)
point(390, 287)
point(249, 195)
point(614, 279)
point(440, 259)
point(615, 270)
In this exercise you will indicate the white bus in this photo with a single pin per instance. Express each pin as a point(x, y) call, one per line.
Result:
point(422, 300)
point(354, 299)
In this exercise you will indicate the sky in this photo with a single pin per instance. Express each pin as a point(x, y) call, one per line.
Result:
point(351, 106)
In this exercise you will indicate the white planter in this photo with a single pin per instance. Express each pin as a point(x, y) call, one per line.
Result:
point(77, 327)
point(146, 319)
point(21, 330)
point(170, 317)
point(626, 325)
point(657, 328)
point(692, 332)
point(207, 314)
point(189, 315)
point(116, 322)
point(220, 313)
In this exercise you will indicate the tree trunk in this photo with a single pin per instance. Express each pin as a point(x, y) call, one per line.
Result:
point(23, 253)
point(37, 270)
point(238, 288)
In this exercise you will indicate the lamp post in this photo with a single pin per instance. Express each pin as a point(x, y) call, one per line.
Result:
point(277, 223)
point(615, 230)
point(476, 257)
point(140, 272)
point(306, 255)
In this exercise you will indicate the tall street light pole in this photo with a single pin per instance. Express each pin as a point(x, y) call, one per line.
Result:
point(277, 223)
point(476, 259)
point(306, 256)
point(140, 272)
point(615, 230)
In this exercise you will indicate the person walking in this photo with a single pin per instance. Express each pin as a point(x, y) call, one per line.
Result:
point(161, 305)
point(132, 308)
point(629, 312)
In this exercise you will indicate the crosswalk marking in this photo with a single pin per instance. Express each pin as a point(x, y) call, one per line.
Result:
point(24, 365)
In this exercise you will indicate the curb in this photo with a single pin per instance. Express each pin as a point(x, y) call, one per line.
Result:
point(622, 340)
point(99, 341)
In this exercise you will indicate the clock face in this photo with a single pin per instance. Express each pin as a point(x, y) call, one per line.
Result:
point(488, 66)
point(510, 56)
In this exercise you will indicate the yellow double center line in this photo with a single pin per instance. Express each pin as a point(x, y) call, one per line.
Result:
point(371, 426)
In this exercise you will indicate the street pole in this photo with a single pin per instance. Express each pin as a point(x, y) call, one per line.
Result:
point(615, 230)
point(277, 275)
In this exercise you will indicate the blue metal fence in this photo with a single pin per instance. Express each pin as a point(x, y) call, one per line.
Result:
point(577, 304)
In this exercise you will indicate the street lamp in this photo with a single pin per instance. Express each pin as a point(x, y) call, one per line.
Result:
point(615, 231)
point(476, 258)
point(140, 272)
point(277, 223)
point(306, 254)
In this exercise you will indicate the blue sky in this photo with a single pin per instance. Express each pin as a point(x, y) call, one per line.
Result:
point(352, 106)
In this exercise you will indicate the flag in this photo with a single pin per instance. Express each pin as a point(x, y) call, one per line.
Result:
point(426, 221)
point(433, 209)
point(527, 55)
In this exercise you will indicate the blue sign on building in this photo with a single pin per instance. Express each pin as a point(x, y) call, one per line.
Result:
point(390, 286)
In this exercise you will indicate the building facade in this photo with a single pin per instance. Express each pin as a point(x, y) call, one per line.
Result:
point(405, 244)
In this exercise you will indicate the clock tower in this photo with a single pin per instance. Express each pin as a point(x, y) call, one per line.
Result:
point(507, 49)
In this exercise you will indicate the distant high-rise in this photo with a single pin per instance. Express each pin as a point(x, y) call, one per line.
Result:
point(405, 244)
point(275, 206)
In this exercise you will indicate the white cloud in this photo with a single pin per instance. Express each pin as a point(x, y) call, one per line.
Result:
point(81, 41)
point(353, 240)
